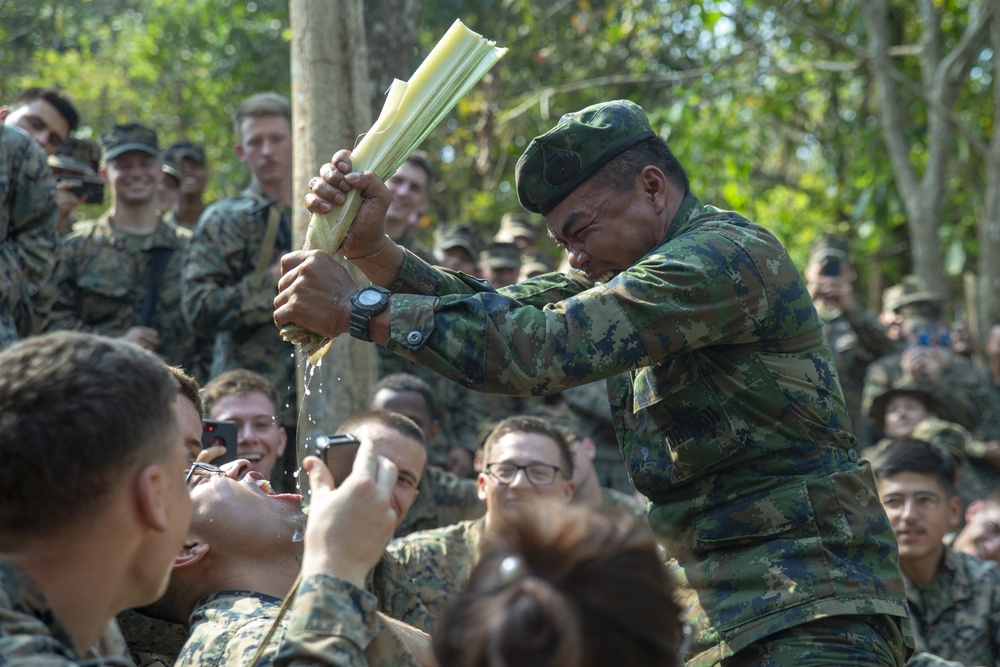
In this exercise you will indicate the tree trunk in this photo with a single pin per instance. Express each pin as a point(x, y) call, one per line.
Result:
point(331, 106)
point(391, 33)
point(989, 224)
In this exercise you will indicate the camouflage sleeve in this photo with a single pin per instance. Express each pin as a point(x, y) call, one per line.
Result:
point(924, 659)
point(397, 595)
point(700, 289)
point(872, 338)
point(217, 291)
point(27, 228)
point(331, 623)
point(66, 294)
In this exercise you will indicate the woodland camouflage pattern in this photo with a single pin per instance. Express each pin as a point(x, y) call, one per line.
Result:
point(219, 295)
point(444, 499)
point(227, 628)
point(100, 285)
point(30, 633)
point(27, 232)
point(730, 418)
point(439, 562)
point(957, 616)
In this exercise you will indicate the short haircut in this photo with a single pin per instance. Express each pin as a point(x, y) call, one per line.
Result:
point(564, 586)
point(77, 413)
point(622, 171)
point(391, 420)
point(238, 382)
point(261, 104)
point(919, 456)
point(189, 388)
point(59, 100)
point(420, 160)
point(399, 382)
point(525, 424)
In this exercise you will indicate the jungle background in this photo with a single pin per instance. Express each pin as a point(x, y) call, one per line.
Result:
point(872, 120)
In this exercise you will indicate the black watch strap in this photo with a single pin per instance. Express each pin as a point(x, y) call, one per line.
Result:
point(366, 303)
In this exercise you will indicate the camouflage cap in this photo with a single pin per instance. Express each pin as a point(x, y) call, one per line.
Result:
point(557, 162)
point(534, 263)
point(911, 289)
point(179, 150)
point(129, 137)
point(944, 434)
point(880, 402)
point(502, 256)
point(81, 156)
point(512, 226)
point(457, 235)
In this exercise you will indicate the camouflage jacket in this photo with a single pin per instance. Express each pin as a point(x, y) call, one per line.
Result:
point(397, 593)
point(439, 562)
point(444, 499)
point(28, 233)
point(961, 394)
point(227, 628)
point(857, 339)
point(30, 632)
point(957, 616)
point(101, 284)
point(220, 298)
point(727, 409)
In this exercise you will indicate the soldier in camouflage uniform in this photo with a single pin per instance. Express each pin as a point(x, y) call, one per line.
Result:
point(231, 271)
point(93, 542)
point(27, 233)
point(443, 497)
point(731, 419)
point(925, 361)
point(856, 335)
point(119, 275)
point(439, 561)
point(954, 598)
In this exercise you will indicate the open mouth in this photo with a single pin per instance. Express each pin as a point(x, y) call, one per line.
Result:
point(261, 483)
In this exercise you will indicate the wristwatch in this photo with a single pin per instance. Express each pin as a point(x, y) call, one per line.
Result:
point(366, 303)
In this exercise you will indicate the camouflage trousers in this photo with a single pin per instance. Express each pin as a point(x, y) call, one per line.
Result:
point(851, 641)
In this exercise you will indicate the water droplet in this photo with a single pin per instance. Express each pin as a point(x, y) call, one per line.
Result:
point(299, 535)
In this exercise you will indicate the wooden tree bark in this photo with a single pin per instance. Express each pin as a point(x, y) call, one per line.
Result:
point(331, 106)
point(943, 76)
point(391, 32)
point(989, 226)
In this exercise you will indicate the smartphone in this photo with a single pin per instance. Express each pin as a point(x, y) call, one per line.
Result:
point(90, 189)
point(831, 267)
point(337, 453)
point(222, 434)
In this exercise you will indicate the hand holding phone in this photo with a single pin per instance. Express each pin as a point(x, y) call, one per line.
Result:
point(220, 434)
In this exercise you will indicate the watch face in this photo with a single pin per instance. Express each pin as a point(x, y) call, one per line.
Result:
point(369, 297)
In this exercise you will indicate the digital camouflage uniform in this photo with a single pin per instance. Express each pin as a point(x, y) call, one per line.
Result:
point(439, 562)
point(228, 627)
point(730, 417)
point(444, 499)
point(220, 298)
point(957, 616)
point(857, 339)
point(589, 403)
point(30, 632)
point(101, 284)
point(28, 235)
point(962, 396)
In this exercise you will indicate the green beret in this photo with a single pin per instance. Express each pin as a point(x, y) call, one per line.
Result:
point(557, 162)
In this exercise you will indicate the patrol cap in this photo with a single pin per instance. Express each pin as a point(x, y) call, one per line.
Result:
point(179, 150)
point(170, 169)
point(880, 402)
point(81, 156)
point(129, 137)
point(945, 434)
point(501, 256)
point(513, 226)
point(910, 290)
point(457, 235)
point(557, 162)
point(534, 263)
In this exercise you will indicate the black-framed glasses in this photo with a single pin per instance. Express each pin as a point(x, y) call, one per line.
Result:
point(200, 471)
point(539, 474)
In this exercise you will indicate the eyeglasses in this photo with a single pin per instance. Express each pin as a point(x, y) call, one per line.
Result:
point(539, 474)
point(201, 471)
